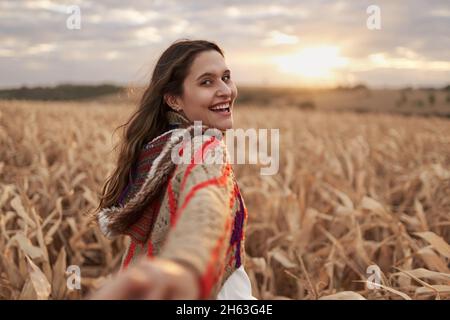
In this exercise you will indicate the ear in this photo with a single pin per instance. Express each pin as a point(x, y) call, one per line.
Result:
point(172, 102)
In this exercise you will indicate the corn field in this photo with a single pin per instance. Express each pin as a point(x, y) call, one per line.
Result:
point(355, 193)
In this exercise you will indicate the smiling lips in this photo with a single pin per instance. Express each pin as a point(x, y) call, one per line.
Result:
point(223, 108)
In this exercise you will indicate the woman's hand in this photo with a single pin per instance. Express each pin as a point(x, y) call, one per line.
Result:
point(152, 279)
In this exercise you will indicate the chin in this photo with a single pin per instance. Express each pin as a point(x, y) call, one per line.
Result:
point(224, 125)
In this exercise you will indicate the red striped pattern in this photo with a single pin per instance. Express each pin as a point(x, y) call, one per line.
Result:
point(138, 229)
point(209, 279)
point(150, 249)
point(172, 202)
point(152, 151)
point(232, 202)
point(141, 229)
point(155, 147)
point(211, 143)
point(220, 181)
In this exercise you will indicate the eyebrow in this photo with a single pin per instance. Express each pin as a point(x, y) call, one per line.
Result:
point(211, 74)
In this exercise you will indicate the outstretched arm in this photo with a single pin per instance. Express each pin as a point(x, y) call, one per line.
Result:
point(190, 263)
point(201, 218)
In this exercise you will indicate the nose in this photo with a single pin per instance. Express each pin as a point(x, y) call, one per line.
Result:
point(224, 89)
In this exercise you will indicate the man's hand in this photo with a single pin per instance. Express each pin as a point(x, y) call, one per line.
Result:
point(159, 279)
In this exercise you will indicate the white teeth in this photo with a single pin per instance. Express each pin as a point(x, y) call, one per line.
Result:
point(222, 106)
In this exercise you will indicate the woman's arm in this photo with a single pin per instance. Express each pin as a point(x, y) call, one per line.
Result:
point(190, 263)
point(201, 199)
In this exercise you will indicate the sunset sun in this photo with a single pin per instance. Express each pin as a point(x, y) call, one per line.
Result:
point(312, 63)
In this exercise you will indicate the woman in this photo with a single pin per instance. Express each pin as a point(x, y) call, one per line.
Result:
point(185, 220)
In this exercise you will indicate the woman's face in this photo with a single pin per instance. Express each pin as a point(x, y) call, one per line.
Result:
point(209, 92)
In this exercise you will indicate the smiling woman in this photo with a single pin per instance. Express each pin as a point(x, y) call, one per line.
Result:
point(186, 222)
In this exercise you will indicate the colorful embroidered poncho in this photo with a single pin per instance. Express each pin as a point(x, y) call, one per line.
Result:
point(196, 215)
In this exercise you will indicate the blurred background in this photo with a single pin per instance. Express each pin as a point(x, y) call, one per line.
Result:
point(308, 44)
point(359, 91)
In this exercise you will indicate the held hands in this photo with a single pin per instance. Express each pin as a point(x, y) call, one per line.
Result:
point(156, 279)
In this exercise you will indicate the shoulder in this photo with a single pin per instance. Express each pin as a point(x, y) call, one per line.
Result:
point(202, 157)
point(160, 140)
point(207, 150)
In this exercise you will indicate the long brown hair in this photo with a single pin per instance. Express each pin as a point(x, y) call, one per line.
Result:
point(149, 121)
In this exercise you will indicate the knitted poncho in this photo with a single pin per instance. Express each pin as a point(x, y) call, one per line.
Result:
point(191, 213)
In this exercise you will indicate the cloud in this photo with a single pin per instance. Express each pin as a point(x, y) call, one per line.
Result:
point(276, 38)
point(120, 38)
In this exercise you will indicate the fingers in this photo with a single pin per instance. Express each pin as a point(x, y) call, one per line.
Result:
point(159, 291)
point(129, 285)
point(181, 295)
point(136, 284)
point(153, 280)
point(160, 281)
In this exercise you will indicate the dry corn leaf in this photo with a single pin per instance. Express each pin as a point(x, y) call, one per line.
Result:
point(28, 292)
point(432, 260)
point(424, 273)
point(437, 287)
point(425, 284)
point(40, 283)
point(41, 241)
point(258, 264)
point(89, 196)
point(306, 226)
point(78, 178)
point(56, 224)
point(436, 242)
point(421, 215)
point(7, 190)
point(343, 295)
point(282, 258)
point(27, 247)
point(16, 204)
point(371, 204)
point(392, 290)
point(14, 276)
point(345, 199)
point(59, 275)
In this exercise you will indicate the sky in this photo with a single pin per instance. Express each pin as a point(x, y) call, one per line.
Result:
point(271, 43)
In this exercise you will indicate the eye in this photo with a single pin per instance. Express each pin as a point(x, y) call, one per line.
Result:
point(204, 82)
point(227, 76)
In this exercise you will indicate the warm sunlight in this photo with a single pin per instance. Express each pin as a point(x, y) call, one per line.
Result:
point(313, 63)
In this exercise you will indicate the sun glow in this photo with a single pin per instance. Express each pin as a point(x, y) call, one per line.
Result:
point(313, 63)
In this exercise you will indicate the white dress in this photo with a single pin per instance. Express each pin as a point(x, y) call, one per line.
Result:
point(237, 287)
